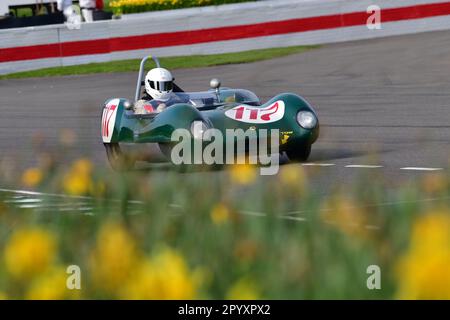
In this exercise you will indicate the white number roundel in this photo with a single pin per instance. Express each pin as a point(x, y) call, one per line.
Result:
point(109, 119)
point(243, 113)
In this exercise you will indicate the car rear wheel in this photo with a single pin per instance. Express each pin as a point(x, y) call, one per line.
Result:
point(117, 159)
point(300, 154)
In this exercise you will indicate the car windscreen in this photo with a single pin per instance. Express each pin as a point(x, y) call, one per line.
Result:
point(239, 96)
point(211, 98)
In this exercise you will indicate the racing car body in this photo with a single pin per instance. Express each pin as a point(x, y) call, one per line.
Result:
point(219, 108)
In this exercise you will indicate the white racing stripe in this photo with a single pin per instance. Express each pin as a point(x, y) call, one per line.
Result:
point(363, 166)
point(421, 169)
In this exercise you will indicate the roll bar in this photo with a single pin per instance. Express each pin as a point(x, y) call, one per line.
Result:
point(141, 75)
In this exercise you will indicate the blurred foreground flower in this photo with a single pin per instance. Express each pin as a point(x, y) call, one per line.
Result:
point(434, 183)
point(78, 180)
point(220, 214)
point(67, 137)
point(243, 174)
point(115, 257)
point(243, 289)
point(163, 276)
point(29, 252)
point(345, 215)
point(32, 177)
point(51, 286)
point(424, 271)
point(246, 250)
point(293, 177)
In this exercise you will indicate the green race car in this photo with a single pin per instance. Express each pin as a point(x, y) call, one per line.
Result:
point(130, 137)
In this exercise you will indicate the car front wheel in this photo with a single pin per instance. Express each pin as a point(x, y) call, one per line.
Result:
point(117, 158)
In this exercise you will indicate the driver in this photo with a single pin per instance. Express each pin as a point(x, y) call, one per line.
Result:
point(158, 92)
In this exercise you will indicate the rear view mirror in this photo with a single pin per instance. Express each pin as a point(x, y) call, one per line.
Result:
point(214, 83)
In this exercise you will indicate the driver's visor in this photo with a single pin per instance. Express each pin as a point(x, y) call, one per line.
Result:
point(161, 85)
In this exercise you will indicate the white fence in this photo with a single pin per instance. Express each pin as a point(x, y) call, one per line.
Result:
point(227, 28)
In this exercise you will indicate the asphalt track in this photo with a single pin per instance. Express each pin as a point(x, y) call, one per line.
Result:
point(382, 103)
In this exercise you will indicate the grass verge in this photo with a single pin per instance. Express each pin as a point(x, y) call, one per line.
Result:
point(169, 62)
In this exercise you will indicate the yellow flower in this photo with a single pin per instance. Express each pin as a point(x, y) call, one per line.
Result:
point(424, 271)
point(29, 252)
point(51, 286)
point(114, 257)
point(243, 174)
point(78, 180)
point(67, 137)
point(178, 282)
point(432, 230)
point(434, 183)
point(143, 284)
point(344, 214)
point(293, 177)
point(82, 166)
point(164, 276)
point(32, 177)
point(246, 250)
point(77, 185)
point(220, 214)
point(243, 289)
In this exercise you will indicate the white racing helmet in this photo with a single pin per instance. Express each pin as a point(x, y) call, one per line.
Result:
point(159, 83)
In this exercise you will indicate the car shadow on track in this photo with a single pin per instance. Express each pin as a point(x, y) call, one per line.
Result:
point(169, 167)
point(335, 154)
point(318, 155)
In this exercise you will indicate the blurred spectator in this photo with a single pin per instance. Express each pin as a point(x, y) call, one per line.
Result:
point(73, 19)
point(63, 4)
point(87, 9)
point(99, 4)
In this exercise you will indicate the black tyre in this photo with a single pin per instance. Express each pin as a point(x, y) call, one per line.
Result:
point(166, 149)
point(299, 154)
point(117, 159)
